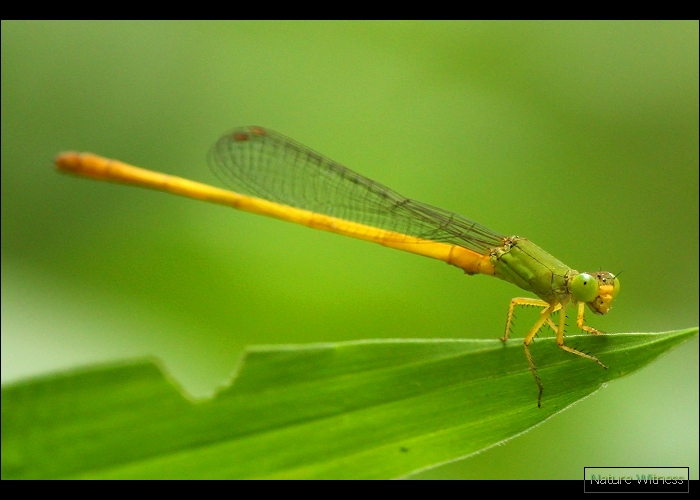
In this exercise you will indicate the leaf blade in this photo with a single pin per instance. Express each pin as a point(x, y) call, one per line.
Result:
point(369, 409)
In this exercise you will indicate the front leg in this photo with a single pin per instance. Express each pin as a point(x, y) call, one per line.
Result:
point(580, 323)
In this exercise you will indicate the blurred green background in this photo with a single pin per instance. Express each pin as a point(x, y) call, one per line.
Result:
point(580, 136)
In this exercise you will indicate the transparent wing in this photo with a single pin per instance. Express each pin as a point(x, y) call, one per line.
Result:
point(263, 163)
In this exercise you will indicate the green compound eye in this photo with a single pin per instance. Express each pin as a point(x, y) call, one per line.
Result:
point(616, 288)
point(584, 287)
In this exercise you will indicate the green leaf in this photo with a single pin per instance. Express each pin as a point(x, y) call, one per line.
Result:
point(365, 409)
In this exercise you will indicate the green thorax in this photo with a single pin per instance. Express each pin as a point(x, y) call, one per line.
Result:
point(521, 262)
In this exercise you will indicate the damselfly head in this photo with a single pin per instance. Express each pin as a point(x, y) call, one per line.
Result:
point(595, 289)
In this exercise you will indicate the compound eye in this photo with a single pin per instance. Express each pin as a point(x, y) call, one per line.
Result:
point(616, 288)
point(584, 287)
